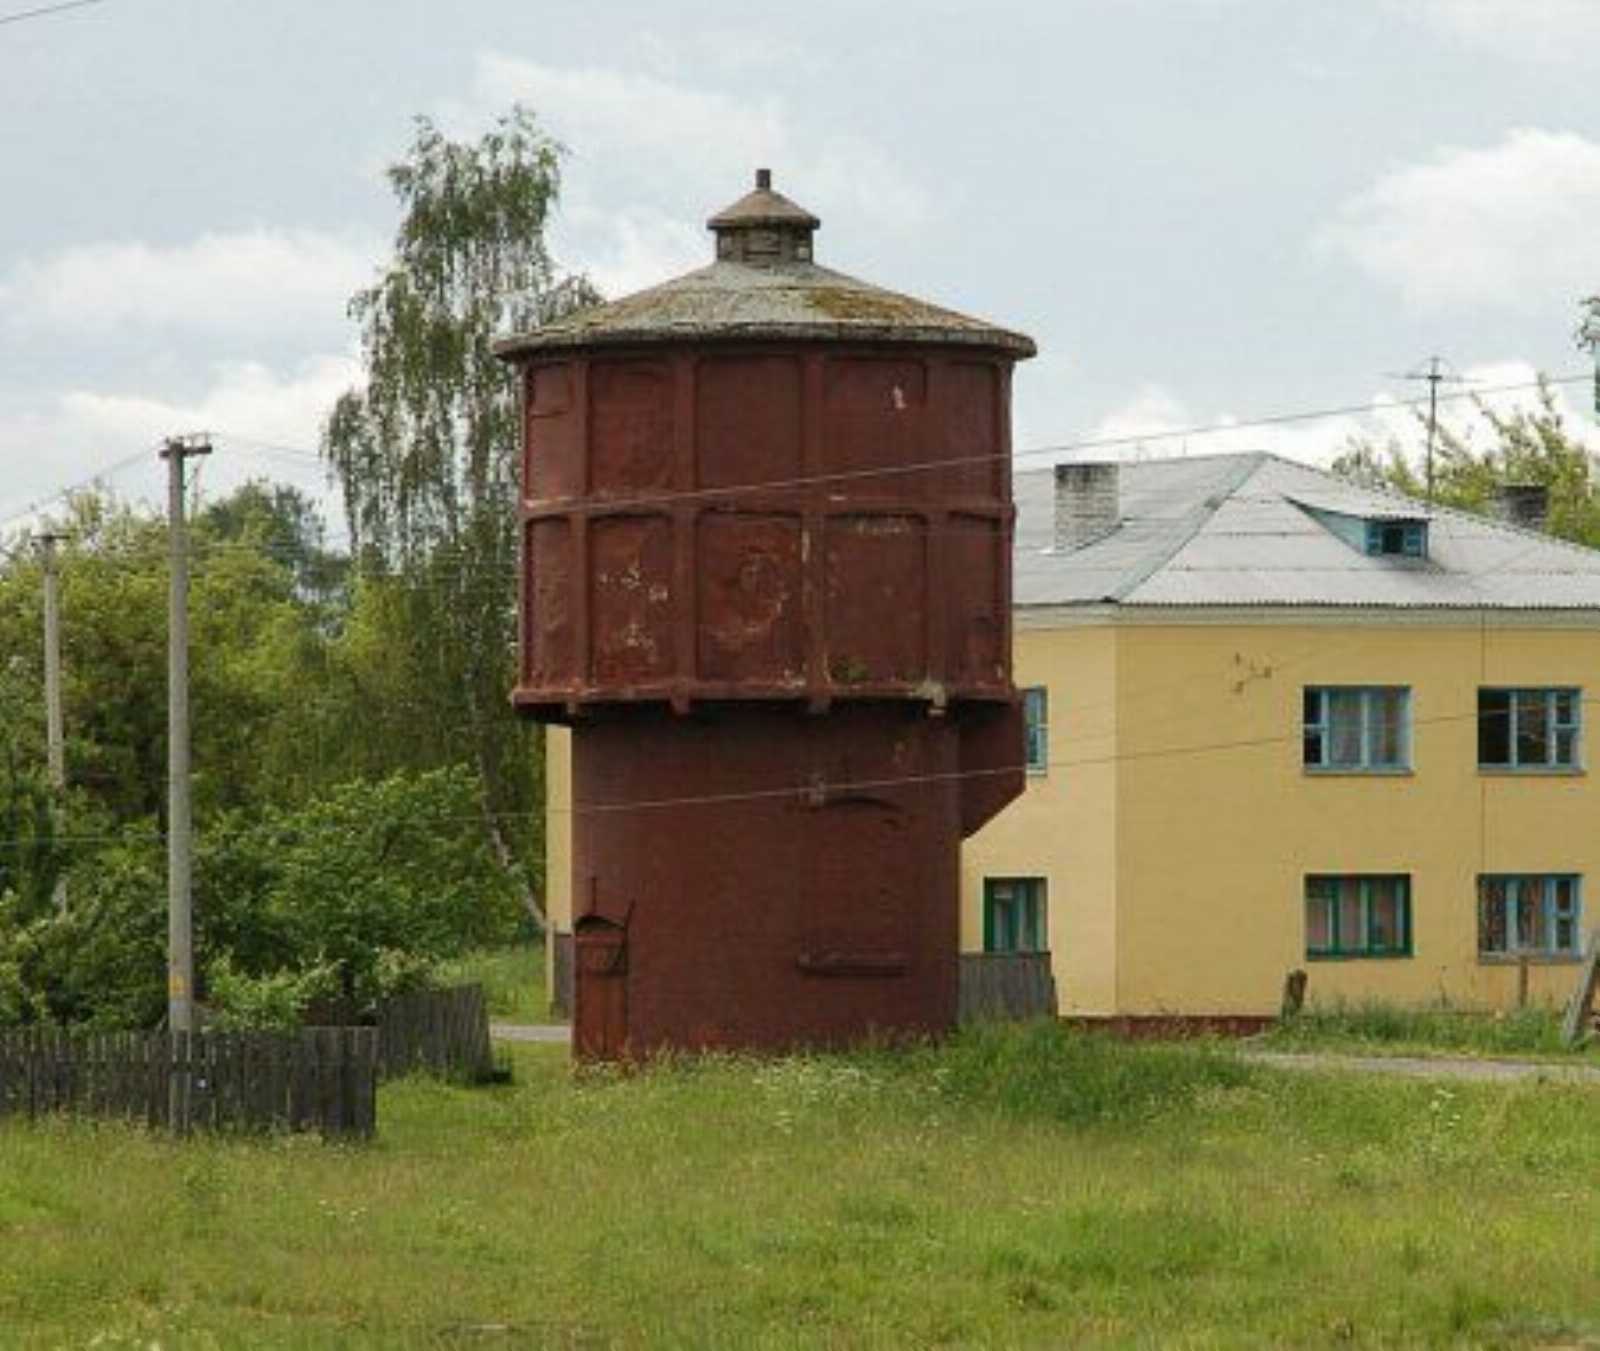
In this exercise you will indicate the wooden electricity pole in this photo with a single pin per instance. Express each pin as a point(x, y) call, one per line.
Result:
point(180, 915)
point(54, 740)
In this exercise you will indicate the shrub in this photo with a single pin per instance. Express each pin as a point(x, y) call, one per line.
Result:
point(277, 1001)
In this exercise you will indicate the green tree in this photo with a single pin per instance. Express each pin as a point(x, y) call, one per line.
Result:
point(1525, 446)
point(426, 454)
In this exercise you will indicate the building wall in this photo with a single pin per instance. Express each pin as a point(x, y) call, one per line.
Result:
point(1175, 823)
point(1063, 827)
point(1218, 822)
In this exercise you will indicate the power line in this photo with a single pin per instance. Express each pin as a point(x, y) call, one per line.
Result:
point(961, 461)
point(812, 787)
point(250, 443)
point(44, 10)
point(39, 504)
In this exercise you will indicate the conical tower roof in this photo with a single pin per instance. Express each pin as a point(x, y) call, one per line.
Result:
point(764, 285)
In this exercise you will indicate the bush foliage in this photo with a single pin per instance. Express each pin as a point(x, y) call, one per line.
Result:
point(355, 894)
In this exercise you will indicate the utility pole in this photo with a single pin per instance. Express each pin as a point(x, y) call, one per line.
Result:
point(180, 916)
point(54, 739)
point(1433, 375)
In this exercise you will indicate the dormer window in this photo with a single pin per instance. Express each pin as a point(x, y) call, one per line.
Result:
point(1407, 539)
point(1379, 535)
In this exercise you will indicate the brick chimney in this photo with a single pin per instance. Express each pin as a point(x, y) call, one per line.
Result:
point(1086, 504)
point(1522, 504)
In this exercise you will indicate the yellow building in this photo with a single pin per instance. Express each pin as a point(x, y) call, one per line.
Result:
point(1277, 721)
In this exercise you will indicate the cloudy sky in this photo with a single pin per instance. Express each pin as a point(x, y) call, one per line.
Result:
point(1205, 211)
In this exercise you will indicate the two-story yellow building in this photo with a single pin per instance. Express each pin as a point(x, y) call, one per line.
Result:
point(1277, 721)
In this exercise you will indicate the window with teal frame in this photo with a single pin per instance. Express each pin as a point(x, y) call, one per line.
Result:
point(1036, 725)
point(1358, 915)
point(1015, 918)
point(1531, 915)
point(1409, 539)
point(1357, 729)
point(1530, 729)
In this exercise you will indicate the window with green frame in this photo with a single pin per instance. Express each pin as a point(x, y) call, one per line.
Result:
point(1532, 915)
point(1015, 917)
point(1036, 728)
point(1358, 915)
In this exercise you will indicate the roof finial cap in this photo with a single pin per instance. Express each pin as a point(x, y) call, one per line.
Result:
point(764, 228)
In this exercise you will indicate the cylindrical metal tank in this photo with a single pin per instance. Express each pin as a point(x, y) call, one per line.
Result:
point(767, 532)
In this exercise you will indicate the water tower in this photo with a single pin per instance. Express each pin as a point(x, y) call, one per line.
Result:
point(766, 549)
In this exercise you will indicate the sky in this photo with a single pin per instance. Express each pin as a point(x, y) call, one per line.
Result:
point(1206, 212)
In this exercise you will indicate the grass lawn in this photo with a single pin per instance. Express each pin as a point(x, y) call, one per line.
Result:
point(513, 981)
point(1025, 1187)
point(1388, 1029)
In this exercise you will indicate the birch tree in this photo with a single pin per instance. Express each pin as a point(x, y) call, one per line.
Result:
point(426, 452)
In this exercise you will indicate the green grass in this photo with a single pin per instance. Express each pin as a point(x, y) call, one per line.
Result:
point(513, 981)
point(1373, 1027)
point(1017, 1188)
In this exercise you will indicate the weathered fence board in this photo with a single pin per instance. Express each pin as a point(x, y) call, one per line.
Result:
point(1580, 1008)
point(441, 1031)
point(322, 1079)
point(1006, 985)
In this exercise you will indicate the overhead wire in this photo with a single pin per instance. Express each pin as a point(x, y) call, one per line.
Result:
point(882, 783)
point(277, 448)
point(1073, 446)
point(810, 788)
point(41, 11)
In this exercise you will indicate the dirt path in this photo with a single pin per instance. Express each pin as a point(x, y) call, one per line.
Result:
point(1430, 1067)
point(551, 1032)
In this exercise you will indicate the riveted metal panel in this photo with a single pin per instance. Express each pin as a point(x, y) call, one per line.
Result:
point(752, 622)
point(749, 423)
point(631, 580)
point(630, 427)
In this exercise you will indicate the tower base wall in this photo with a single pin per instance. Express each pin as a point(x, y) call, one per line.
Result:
point(754, 877)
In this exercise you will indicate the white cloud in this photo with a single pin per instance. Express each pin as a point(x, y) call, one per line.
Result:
point(258, 281)
point(652, 157)
point(244, 399)
point(1505, 387)
point(629, 248)
point(1155, 423)
point(1553, 32)
point(1510, 225)
point(243, 405)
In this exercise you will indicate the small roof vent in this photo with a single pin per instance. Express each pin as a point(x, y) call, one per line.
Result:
point(763, 228)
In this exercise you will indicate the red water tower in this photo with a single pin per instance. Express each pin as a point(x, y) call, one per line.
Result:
point(767, 527)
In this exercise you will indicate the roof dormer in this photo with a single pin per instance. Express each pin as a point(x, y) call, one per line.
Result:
point(1376, 531)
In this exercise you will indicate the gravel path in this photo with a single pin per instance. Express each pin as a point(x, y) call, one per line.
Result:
point(553, 1032)
point(1430, 1067)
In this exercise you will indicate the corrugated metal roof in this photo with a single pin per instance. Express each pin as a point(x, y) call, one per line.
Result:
point(1229, 530)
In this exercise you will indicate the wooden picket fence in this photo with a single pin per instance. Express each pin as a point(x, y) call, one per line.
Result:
point(318, 1079)
point(1006, 985)
point(444, 1032)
